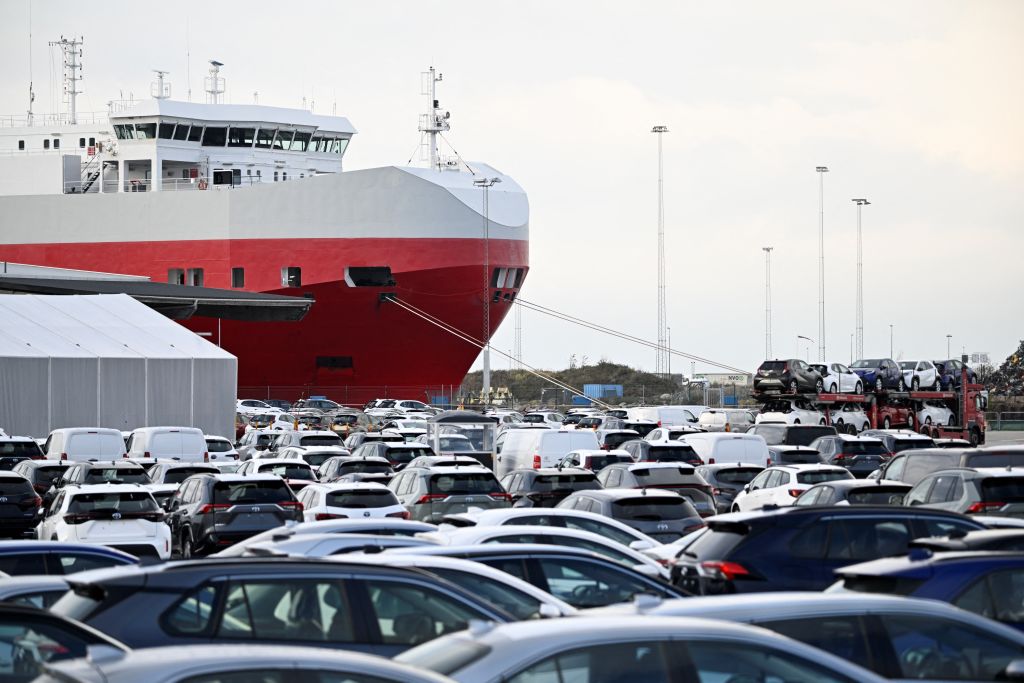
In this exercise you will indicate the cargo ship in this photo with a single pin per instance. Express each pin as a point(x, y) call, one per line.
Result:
point(256, 198)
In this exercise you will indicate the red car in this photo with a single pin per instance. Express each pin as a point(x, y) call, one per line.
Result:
point(890, 415)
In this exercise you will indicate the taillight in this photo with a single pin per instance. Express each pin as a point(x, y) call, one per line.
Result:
point(982, 507)
point(795, 492)
point(501, 496)
point(33, 502)
point(716, 492)
point(728, 427)
point(711, 461)
point(292, 505)
point(146, 454)
point(431, 497)
point(63, 456)
point(536, 461)
point(404, 514)
point(76, 518)
point(212, 507)
point(206, 457)
point(725, 570)
point(324, 516)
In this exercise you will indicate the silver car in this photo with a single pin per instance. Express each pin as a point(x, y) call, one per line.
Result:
point(430, 493)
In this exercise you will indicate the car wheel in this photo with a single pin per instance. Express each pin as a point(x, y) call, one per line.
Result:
point(851, 429)
point(901, 385)
point(839, 424)
point(819, 386)
point(832, 389)
point(886, 423)
point(928, 420)
point(878, 385)
point(859, 389)
point(792, 386)
point(822, 421)
point(187, 551)
point(915, 384)
point(975, 438)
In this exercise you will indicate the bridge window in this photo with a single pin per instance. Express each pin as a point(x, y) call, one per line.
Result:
point(21, 144)
point(265, 138)
point(145, 131)
point(241, 137)
point(176, 276)
point(92, 142)
point(56, 143)
point(81, 142)
point(283, 139)
point(317, 144)
point(124, 131)
point(181, 132)
point(46, 143)
point(195, 134)
point(339, 145)
point(275, 176)
point(301, 142)
point(284, 175)
point(166, 131)
point(291, 276)
point(238, 278)
point(215, 136)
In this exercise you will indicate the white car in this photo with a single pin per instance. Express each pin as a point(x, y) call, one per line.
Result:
point(843, 414)
point(220, 448)
point(921, 374)
point(780, 485)
point(794, 411)
point(546, 418)
point(296, 473)
point(314, 456)
point(251, 406)
point(125, 516)
point(839, 379)
point(663, 434)
point(345, 501)
point(933, 412)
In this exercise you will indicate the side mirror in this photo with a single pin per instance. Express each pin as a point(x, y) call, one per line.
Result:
point(172, 504)
point(648, 570)
point(1014, 671)
point(548, 611)
point(746, 489)
point(641, 545)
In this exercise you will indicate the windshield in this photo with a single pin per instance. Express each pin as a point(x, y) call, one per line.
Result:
point(867, 363)
point(820, 477)
point(127, 501)
point(26, 448)
point(648, 509)
point(452, 443)
point(180, 474)
point(777, 407)
point(798, 457)
point(613, 441)
point(365, 467)
point(571, 482)
point(773, 365)
point(317, 459)
point(863, 448)
point(361, 499)
point(463, 483)
point(672, 454)
point(50, 473)
point(660, 476)
point(235, 493)
point(128, 475)
point(736, 476)
point(876, 495)
point(290, 471)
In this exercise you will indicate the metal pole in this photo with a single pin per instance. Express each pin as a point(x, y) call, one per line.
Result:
point(767, 302)
point(860, 281)
point(485, 184)
point(821, 171)
point(890, 340)
point(661, 353)
point(948, 337)
point(669, 351)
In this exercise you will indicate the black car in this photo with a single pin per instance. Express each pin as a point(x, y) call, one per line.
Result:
point(799, 548)
point(951, 373)
point(34, 637)
point(726, 480)
point(668, 451)
point(399, 454)
point(794, 455)
point(862, 455)
point(333, 469)
point(793, 376)
point(20, 506)
point(664, 516)
point(213, 511)
point(612, 439)
point(175, 473)
point(546, 488)
point(42, 473)
point(98, 472)
point(679, 478)
point(778, 434)
point(320, 603)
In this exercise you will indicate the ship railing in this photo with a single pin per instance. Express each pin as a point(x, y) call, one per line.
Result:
point(86, 118)
point(146, 185)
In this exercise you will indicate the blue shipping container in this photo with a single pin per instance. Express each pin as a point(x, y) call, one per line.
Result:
point(581, 401)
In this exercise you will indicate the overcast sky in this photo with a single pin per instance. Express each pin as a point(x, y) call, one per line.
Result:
point(917, 106)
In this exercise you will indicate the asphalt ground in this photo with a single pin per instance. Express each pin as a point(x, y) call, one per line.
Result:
point(994, 438)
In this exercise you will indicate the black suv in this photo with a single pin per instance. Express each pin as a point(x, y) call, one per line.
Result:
point(777, 434)
point(546, 488)
point(646, 451)
point(42, 474)
point(19, 505)
point(299, 438)
point(799, 548)
point(321, 603)
point(370, 469)
point(862, 455)
point(212, 511)
point(398, 454)
point(14, 449)
point(792, 376)
point(98, 472)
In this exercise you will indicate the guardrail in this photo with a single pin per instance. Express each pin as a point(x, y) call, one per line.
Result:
point(1005, 421)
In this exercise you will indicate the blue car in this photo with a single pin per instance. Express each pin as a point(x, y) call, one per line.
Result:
point(951, 373)
point(879, 374)
point(988, 583)
point(22, 558)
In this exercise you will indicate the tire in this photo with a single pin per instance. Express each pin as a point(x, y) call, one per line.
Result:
point(915, 384)
point(735, 508)
point(859, 389)
point(886, 423)
point(839, 424)
point(187, 550)
point(822, 423)
point(819, 386)
point(832, 389)
point(928, 420)
point(901, 385)
point(851, 429)
point(878, 385)
point(975, 438)
point(792, 386)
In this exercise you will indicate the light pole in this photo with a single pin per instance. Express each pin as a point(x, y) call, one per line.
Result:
point(485, 184)
point(821, 171)
point(860, 281)
point(890, 341)
point(661, 359)
point(799, 337)
point(948, 338)
point(767, 302)
point(669, 349)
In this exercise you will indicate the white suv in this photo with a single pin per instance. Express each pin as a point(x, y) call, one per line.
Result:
point(794, 411)
point(344, 501)
point(780, 485)
point(123, 516)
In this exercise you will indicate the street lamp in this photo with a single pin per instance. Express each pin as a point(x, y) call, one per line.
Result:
point(799, 337)
point(860, 280)
point(821, 171)
point(948, 337)
point(890, 340)
point(485, 184)
point(661, 360)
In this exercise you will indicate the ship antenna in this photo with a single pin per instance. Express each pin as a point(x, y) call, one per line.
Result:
point(159, 89)
point(31, 94)
point(434, 121)
point(214, 83)
point(72, 73)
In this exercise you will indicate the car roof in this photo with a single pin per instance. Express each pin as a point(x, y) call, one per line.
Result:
point(19, 439)
point(486, 549)
point(621, 493)
point(105, 488)
point(106, 464)
point(62, 546)
point(279, 461)
point(553, 471)
point(852, 437)
point(454, 469)
point(232, 478)
point(809, 467)
point(7, 474)
point(864, 484)
point(348, 486)
point(716, 467)
point(924, 560)
point(795, 512)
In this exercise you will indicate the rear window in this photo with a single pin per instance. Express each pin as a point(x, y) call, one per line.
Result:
point(464, 483)
point(911, 444)
point(317, 459)
point(880, 495)
point(773, 365)
point(736, 476)
point(661, 475)
point(128, 475)
point(799, 457)
point(672, 454)
point(361, 499)
point(289, 471)
point(127, 501)
point(717, 543)
point(180, 474)
point(575, 482)
point(320, 440)
point(599, 462)
point(803, 436)
point(864, 448)
point(821, 477)
point(406, 454)
point(95, 444)
point(218, 446)
point(451, 443)
point(1004, 489)
point(27, 448)
point(49, 473)
point(533, 419)
point(233, 493)
point(364, 467)
point(993, 459)
point(15, 487)
point(644, 508)
point(773, 435)
point(615, 440)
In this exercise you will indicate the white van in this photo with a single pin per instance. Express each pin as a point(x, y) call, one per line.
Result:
point(725, 447)
point(517, 449)
point(665, 416)
point(182, 444)
point(81, 444)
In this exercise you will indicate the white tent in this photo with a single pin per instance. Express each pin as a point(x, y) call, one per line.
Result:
point(107, 361)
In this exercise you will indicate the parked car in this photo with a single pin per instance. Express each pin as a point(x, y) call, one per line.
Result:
point(252, 406)
point(593, 460)
point(641, 427)
point(777, 434)
point(854, 492)
point(799, 548)
point(398, 453)
point(317, 404)
point(641, 450)
point(255, 442)
point(430, 493)
point(793, 376)
point(849, 418)
point(665, 476)
point(20, 506)
point(665, 416)
point(546, 487)
point(174, 473)
point(879, 374)
point(612, 439)
point(987, 583)
point(517, 449)
point(213, 511)
point(84, 443)
point(621, 648)
point(717, 420)
point(97, 472)
point(371, 468)
point(792, 411)
point(33, 590)
point(220, 448)
point(19, 447)
point(24, 558)
point(895, 637)
point(305, 439)
point(839, 379)
point(935, 412)
point(548, 418)
point(663, 434)
point(297, 474)
point(342, 501)
point(661, 515)
point(984, 491)
point(899, 440)
point(300, 602)
point(862, 455)
point(894, 415)
point(580, 577)
point(793, 455)
point(918, 374)
point(951, 373)
point(747, 449)
point(989, 539)
point(184, 444)
point(727, 480)
point(374, 526)
point(120, 516)
point(314, 456)
point(780, 485)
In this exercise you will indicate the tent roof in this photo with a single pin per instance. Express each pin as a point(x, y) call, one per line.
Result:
point(95, 326)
